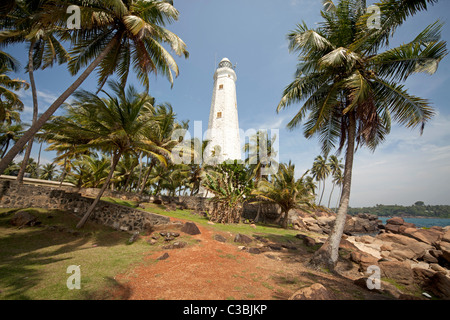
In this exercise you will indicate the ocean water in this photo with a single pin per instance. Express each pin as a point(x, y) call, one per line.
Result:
point(423, 222)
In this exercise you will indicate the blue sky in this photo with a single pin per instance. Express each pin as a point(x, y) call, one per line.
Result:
point(252, 34)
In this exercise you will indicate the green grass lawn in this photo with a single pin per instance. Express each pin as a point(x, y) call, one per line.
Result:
point(264, 229)
point(127, 203)
point(34, 260)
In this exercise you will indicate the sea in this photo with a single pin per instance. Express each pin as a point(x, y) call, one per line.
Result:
point(423, 222)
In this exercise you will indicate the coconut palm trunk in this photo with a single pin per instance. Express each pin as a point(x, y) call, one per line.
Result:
point(323, 191)
point(64, 173)
point(328, 254)
point(284, 221)
point(147, 175)
point(26, 157)
point(331, 194)
point(18, 146)
point(90, 210)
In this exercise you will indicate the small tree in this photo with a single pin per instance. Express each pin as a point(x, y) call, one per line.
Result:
point(286, 191)
point(231, 184)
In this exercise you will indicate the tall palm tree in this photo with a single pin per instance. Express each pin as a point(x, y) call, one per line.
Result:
point(162, 135)
point(114, 125)
point(43, 50)
point(261, 157)
point(114, 37)
point(335, 169)
point(338, 180)
point(352, 91)
point(286, 191)
point(196, 165)
point(320, 171)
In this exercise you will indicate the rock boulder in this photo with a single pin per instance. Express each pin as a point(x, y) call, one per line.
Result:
point(242, 238)
point(430, 236)
point(362, 223)
point(190, 228)
point(314, 292)
point(22, 218)
point(399, 271)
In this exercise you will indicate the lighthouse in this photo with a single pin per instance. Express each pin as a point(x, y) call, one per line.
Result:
point(223, 127)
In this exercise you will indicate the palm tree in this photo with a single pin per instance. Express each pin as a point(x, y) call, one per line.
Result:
point(89, 171)
point(261, 155)
point(10, 103)
point(261, 158)
point(196, 165)
point(115, 37)
point(43, 50)
point(176, 177)
point(125, 169)
point(48, 171)
point(65, 143)
point(113, 125)
point(338, 180)
point(320, 171)
point(30, 167)
point(9, 61)
point(231, 184)
point(336, 167)
point(162, 135)
point(117, 125)
point(351, 89)
point(9, 133)
point(286, 191)
point(310, 185)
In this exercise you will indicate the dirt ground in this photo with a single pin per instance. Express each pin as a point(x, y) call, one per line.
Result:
point(211, 270)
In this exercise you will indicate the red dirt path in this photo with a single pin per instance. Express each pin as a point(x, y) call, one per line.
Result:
point(212, 270)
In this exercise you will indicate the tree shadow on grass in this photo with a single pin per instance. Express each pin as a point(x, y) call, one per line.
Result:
point(25, 252)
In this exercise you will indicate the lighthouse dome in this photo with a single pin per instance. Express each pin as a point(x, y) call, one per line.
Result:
point(225, 63)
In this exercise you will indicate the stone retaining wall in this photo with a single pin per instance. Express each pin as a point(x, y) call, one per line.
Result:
point(198, 204)
point(116, 216)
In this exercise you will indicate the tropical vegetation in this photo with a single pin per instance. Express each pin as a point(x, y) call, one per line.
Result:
point(352, 90)
point(114, 38)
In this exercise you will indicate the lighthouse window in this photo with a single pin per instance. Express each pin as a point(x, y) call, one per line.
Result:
point(221, 87)
point(219, 115)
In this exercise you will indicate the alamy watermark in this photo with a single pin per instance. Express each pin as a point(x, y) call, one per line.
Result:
point(374, 21)
point(374, 280)
point(74, 21)
point(74, 280)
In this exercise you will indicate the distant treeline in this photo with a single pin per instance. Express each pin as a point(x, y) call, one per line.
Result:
point(418, 209)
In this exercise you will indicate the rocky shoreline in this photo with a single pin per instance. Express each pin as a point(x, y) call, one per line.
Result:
point(410, 259)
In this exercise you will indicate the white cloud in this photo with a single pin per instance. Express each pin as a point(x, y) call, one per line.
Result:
point(46, 97)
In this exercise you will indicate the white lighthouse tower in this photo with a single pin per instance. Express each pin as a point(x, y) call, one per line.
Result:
point(223, 127)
